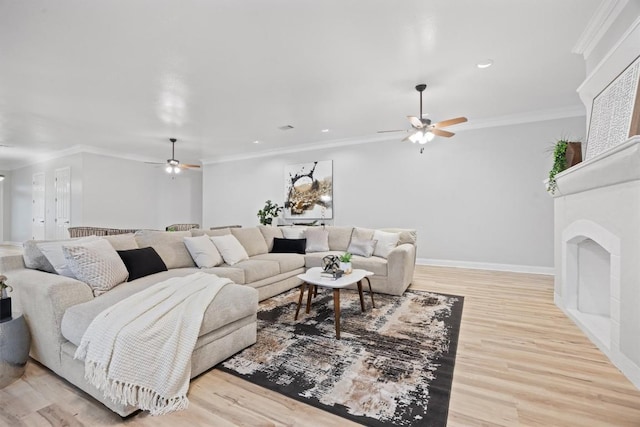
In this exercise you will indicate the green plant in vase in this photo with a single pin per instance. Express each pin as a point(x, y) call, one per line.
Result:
point(270, 211)
point(559, 164)
point(345, 262)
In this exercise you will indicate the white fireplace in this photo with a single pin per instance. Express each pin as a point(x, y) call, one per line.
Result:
point(597, 251)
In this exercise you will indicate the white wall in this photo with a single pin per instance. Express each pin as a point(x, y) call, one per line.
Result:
point(108, 192)
point(477, 198)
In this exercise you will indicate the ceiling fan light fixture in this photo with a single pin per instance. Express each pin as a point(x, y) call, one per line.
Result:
point(428, 136)
point(485, 63)
point(169, 169)
point(416, 137)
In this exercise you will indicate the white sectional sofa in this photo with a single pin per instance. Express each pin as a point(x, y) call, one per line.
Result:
point(58, 309)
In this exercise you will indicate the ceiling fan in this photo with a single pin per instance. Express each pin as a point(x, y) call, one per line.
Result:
point(173, 165)
point(423, 130)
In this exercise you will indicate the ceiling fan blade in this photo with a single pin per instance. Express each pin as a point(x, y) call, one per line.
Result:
point(155, 163)
point(398, 130)
point(415, 122)
point(186, 166)
point(449, 122)
point(441, 132)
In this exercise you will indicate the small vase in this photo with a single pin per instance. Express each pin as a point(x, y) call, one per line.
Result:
point(346, 267)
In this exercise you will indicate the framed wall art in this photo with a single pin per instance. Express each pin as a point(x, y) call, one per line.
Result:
point(308, 190)
point(615, 113)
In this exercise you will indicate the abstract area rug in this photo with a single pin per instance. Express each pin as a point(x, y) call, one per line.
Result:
point(392, 366)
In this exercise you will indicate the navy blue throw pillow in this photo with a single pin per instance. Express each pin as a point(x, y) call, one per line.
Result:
point(142, 262)
point(289, 246)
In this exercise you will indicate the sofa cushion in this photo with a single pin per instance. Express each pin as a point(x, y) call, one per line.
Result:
point(289, 246)
point(374, 264)
point(195, 232)
point(169, 245)
point(230, 248)
point(203, 251)
point(251, 239)
point(256, 269)
point(142, 262)
point(317, 239)
point(52, 250)
point(122, 242)
point(269, 233)
point(407, 235)
point(97, 264)
point(386, 242)
point(288, 262)
point(314, 259)
point(236, 275)
point(362, 233)
point(339, 238)
point(229, 305)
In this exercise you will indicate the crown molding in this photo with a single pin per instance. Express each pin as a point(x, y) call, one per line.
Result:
point(512, 119)
point(598, 25)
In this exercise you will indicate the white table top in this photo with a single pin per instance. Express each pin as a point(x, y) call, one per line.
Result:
point(312, 276)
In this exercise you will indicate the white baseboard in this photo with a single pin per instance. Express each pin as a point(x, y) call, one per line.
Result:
point(487, 266)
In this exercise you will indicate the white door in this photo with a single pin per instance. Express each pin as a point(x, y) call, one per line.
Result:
point(62, 183)
point(38, 212)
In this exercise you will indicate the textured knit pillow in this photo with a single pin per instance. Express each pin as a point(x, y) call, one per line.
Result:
point(142, 262)
point(97, 264)
point(386, 242)
point(203, 251)
point(362, 247)
point(317, 239)
point(52, 250)
point(230, 248)
point(289, 246)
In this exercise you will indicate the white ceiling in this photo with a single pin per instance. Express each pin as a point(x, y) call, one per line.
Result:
point(124, 76)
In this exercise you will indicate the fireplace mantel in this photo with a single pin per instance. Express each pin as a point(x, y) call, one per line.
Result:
point(616, 166)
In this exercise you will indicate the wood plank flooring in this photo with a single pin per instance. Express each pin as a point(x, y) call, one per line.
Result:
point(520, 362)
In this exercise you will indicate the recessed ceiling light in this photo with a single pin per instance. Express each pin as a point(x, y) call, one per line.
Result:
point(324, 130)
point(256, 142)
point(486, 63)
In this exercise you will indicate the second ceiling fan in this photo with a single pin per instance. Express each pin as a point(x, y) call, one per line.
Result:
point(423, 130)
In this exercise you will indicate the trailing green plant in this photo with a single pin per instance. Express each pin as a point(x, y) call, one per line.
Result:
point(559, 164)
point(270, 211)
point(345, 257)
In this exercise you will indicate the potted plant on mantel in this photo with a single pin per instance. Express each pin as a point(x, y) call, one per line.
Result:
point(270, 211)
point(565, 155)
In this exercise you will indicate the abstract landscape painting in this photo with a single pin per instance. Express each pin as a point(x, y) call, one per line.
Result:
point(309, 190)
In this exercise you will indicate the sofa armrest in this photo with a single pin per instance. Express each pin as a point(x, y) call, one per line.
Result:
point(43, 298)
point(401, 265)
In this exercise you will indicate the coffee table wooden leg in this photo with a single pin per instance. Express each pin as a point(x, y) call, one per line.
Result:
point(373, 304)
point(361, 296)
point(336, 309)
point(300, 300)
point(309, 295)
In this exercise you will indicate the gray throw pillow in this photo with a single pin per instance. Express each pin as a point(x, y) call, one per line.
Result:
point(362, 247)
point(317, 239)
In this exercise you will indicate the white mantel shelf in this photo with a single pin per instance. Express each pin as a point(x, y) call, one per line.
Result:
point(616, 166)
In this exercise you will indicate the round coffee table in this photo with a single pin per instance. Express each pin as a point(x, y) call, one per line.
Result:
point(312, 278)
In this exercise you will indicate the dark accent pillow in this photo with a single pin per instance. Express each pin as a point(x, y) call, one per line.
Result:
point(289, 246)
point(142, 262)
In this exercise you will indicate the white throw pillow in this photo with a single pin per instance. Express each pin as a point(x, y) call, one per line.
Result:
point(386, 242)
point(53, 252)
point(230, 248)
point(97, 264)
point(317, 239)
point(203, 251)
point(293, 232)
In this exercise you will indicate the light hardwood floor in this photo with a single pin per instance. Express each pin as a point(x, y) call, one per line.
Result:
point(520, 362)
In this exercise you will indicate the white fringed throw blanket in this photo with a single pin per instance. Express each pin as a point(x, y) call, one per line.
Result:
point(138, 352)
